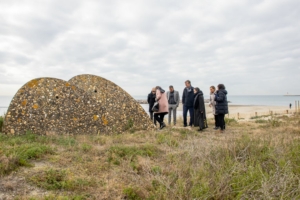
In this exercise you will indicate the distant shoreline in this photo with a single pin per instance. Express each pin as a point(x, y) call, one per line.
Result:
point(142, 101)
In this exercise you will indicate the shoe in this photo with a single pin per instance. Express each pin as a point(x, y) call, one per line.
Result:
point(163, 125)
point(200, 129)
point(185, 125)
point(216, 128)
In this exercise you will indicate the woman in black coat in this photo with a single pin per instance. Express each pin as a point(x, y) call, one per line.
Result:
point(221, 105)
point(151, 101)
point(199, 110)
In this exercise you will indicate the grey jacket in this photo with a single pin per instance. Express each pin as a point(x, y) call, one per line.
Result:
point(176, 97)
point(212, 102)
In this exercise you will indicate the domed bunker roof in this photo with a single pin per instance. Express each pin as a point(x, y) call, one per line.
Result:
point(86, 104)
point(54, 106)
point(123, 108)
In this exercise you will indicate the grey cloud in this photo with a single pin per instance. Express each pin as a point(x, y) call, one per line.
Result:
point(244, 44)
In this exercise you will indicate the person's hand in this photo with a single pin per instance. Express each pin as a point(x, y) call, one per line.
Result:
point(209, 105)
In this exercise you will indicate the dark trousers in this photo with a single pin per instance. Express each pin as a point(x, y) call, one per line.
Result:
point(159, 117)
point(185, 111)
point(221, 121)
point(216, 120)
point(152, 118)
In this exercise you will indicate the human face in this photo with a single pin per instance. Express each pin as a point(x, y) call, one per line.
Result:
point(171, 89)
point(212, 90)
point(187, 84)
point(153, 91)
point(195, 91)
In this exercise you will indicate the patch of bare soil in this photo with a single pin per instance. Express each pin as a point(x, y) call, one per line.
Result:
point(15, 185)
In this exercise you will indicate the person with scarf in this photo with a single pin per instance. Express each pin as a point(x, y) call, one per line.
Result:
point(163, 108)
point(199, 110)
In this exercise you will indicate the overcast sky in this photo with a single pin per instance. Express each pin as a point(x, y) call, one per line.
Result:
point(252, 46)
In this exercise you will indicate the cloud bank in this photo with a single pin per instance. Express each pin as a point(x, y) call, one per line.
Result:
point(252, 46)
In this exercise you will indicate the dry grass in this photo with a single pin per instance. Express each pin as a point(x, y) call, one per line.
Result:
point(252, 160)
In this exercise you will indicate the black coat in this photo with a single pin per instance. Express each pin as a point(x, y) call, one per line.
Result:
point(151, 101)
point(199, 111)
point(188, 97)
point(221, 102)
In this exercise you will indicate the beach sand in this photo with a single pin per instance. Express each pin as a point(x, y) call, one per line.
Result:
point(248, 111)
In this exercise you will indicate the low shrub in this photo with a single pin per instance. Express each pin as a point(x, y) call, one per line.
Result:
point(1, 123)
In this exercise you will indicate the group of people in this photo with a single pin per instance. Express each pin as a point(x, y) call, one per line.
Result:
point(193, 102)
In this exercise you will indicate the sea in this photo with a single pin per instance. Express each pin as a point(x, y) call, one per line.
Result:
point(267, 100)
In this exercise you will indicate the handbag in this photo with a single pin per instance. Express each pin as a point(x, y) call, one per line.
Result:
point(155, 107)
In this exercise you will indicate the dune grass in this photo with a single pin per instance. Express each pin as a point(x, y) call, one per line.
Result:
point(252, 160)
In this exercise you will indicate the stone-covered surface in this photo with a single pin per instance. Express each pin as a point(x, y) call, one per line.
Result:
point(53, 106)
point(123, 109)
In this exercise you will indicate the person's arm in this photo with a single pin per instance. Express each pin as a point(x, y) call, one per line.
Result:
point(196, 103)
point(178, 99)
point(183, 96)
point(148, 100)
point(220, 96)
point(210, 101)
point(158, 95)
point(201, 104)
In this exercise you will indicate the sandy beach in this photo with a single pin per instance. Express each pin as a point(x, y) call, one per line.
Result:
point(247, 111)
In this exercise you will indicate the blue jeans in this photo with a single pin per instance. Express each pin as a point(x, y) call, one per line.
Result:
point(185, 111)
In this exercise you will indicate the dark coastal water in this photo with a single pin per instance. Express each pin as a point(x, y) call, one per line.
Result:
point(268, 100)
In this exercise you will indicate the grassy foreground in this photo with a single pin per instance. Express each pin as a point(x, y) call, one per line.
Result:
point(252, 160)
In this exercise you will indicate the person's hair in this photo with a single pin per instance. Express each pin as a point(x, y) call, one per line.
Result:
point(213, 87)
point(197, 89)
point(158, 87)
point(171, 86)
point(221, 87)
point(188, 81)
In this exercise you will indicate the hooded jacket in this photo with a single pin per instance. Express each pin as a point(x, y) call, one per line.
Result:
point(161, 97)
point(221, 102)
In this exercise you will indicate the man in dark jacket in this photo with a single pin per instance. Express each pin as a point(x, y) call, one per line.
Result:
point(151, 101)
point(188, 103)
point(221, 105)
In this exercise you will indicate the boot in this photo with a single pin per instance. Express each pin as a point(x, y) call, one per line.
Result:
point(163, 125)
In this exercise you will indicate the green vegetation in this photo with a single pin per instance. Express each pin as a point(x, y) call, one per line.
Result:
point(17, 151)
point(251, 160)
point(53, 179)
point(1, 123)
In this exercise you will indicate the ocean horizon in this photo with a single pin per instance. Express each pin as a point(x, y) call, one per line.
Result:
point(259, 100)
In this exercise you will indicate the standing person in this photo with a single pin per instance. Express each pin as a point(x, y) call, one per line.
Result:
point(290, 106)
point(221, 105)
point(151, 101)
point(173, 100)
point(212, 103)
point(188, 103)
point(161, 98)
point(199, 110)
